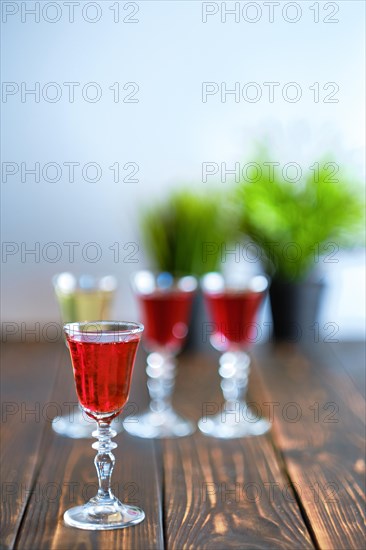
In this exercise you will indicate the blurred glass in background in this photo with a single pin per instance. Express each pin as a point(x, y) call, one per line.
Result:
point(84, 298)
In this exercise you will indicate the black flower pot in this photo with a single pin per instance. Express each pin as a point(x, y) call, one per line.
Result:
point(200, 327)
point(295, 307)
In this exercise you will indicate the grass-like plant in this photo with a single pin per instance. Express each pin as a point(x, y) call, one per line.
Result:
point(184, 233)
point(295, 223)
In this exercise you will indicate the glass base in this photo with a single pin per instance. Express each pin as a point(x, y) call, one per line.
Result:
point(231, 424)
point(96, 516)
point(76, 426)
point(157, 425)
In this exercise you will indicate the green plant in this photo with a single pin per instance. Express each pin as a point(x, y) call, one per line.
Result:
point(294, 223)
point(184, 233)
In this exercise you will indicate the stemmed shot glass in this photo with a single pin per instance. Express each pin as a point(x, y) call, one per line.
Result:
point(233, 306)
point(165, 303)
point(103, 355)
point(85, 298)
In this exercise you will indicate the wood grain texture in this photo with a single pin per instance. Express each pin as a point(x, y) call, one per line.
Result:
point(324, 448)
point(300, 486)
point(67, 465)
point(24, 416)
point(352, 358)
point(225, 494)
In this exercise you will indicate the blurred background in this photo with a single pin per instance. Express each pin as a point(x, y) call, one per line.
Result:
point(131, 102)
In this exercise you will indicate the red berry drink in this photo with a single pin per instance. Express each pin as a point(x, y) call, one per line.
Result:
point(165, 316)
point(102, 355)
point(102, 371)
point(233, 301)
point(233, 313)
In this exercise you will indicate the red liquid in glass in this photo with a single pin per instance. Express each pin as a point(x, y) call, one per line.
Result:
point(165, 317)
point(102, 374)
point(233, 314)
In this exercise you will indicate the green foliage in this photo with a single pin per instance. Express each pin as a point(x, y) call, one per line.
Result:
point(183, 234)
point(319, 214)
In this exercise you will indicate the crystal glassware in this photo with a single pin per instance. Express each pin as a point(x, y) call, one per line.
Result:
point(233, 306)
point(82, 299)
point(103, 355)
point(165, 304)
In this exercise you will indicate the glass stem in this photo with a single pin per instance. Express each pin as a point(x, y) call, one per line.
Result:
point(234, 372)
point(104, 460)
point(161, 377)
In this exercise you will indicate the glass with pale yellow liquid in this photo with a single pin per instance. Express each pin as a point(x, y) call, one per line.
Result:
point(84, 298)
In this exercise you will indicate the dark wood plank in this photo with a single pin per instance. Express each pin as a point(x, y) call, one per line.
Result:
point(324, 449)
point(225, 494)
point(67, 465)
point(27, 376)
point(218, 494)
point(352, 357)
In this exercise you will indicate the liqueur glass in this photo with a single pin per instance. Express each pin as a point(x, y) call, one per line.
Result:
point(82, 299)
point(103, 355)
point(233, 306)
point(165, 304)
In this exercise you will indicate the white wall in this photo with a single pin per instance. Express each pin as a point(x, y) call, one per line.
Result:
point(169, 52)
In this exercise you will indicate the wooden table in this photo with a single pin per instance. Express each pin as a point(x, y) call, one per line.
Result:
point(300, 486)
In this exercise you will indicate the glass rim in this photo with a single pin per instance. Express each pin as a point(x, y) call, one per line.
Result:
point(131, 327)
point(232, 286)
point(76, 289)
point(155, 274)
